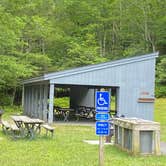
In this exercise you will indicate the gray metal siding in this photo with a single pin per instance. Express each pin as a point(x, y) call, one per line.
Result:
point(35, 101)
point(82, 96)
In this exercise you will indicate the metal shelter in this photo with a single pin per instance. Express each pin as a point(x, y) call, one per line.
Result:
point(132, 77)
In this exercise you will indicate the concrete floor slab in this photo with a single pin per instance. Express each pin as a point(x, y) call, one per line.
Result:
point(96, 142)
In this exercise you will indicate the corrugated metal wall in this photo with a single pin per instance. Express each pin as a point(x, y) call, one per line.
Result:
point(35, 101)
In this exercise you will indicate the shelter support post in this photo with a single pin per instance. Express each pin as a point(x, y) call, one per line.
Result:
point(40, 102)
point(23, 96)
point(32, 103)
point(45, 102)
point(25, 100)
point(29, 102)
point(51, 104)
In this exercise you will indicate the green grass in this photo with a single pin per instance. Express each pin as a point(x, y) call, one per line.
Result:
point(67, 148)
point(160, 116)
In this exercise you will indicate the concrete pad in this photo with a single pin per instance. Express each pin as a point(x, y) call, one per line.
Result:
point(96, 142)
point(75, 123)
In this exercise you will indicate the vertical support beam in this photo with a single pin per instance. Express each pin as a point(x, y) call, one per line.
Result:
point(36, 101)
point(116, 104)
point(30, 106)
point(23, 96)
point(117, 101)
point(25, 102)
point(32, 101)
point(136, 142)
point(45, 102)
point(38, 97)
point(157, 142)
point(40, 115)
point(28, 100)
point(51, 104)
point(110, 97)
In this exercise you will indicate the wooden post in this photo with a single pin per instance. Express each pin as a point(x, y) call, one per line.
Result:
point(157, 142)
point(51, 104)
point(101, 151)
point(101, 145)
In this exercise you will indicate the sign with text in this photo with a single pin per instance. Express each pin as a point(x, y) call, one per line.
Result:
point(102, 116)
point(102, 101)
point(102, 128)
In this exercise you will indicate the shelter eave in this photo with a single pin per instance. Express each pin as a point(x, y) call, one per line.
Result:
point(34, 80)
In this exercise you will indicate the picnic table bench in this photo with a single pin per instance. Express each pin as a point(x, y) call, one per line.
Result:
point(48, 128)
point(65, 112)
point(5, 126)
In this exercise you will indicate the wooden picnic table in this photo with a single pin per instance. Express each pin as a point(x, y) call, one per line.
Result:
point(66, 112)
point(28, 126)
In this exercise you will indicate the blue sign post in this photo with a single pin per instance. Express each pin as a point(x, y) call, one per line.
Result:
point(102, 127)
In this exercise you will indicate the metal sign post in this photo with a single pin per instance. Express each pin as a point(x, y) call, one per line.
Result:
point(102, 126)
point(101, 151)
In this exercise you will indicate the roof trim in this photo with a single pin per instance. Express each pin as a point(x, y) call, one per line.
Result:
point(85, 69)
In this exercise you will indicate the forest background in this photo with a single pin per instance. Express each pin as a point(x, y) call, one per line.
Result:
point(41, 36)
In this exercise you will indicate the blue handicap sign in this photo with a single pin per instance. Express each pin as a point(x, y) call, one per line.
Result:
point(102, 101)
point(102, 116)
point(102, 128)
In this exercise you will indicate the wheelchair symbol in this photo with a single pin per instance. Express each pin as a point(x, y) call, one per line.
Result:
point(101, 101)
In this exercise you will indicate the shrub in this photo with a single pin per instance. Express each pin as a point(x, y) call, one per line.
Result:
point(160, 91)
point(62, 102)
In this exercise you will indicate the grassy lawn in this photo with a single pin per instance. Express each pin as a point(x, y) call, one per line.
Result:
point(160, 116)
point(67, 148)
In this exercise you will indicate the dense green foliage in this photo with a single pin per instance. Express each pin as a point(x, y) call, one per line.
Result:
point(40, 36)
point(161, 78)
point(63, 102)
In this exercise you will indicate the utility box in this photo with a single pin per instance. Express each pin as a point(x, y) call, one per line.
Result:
point(137, 136)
